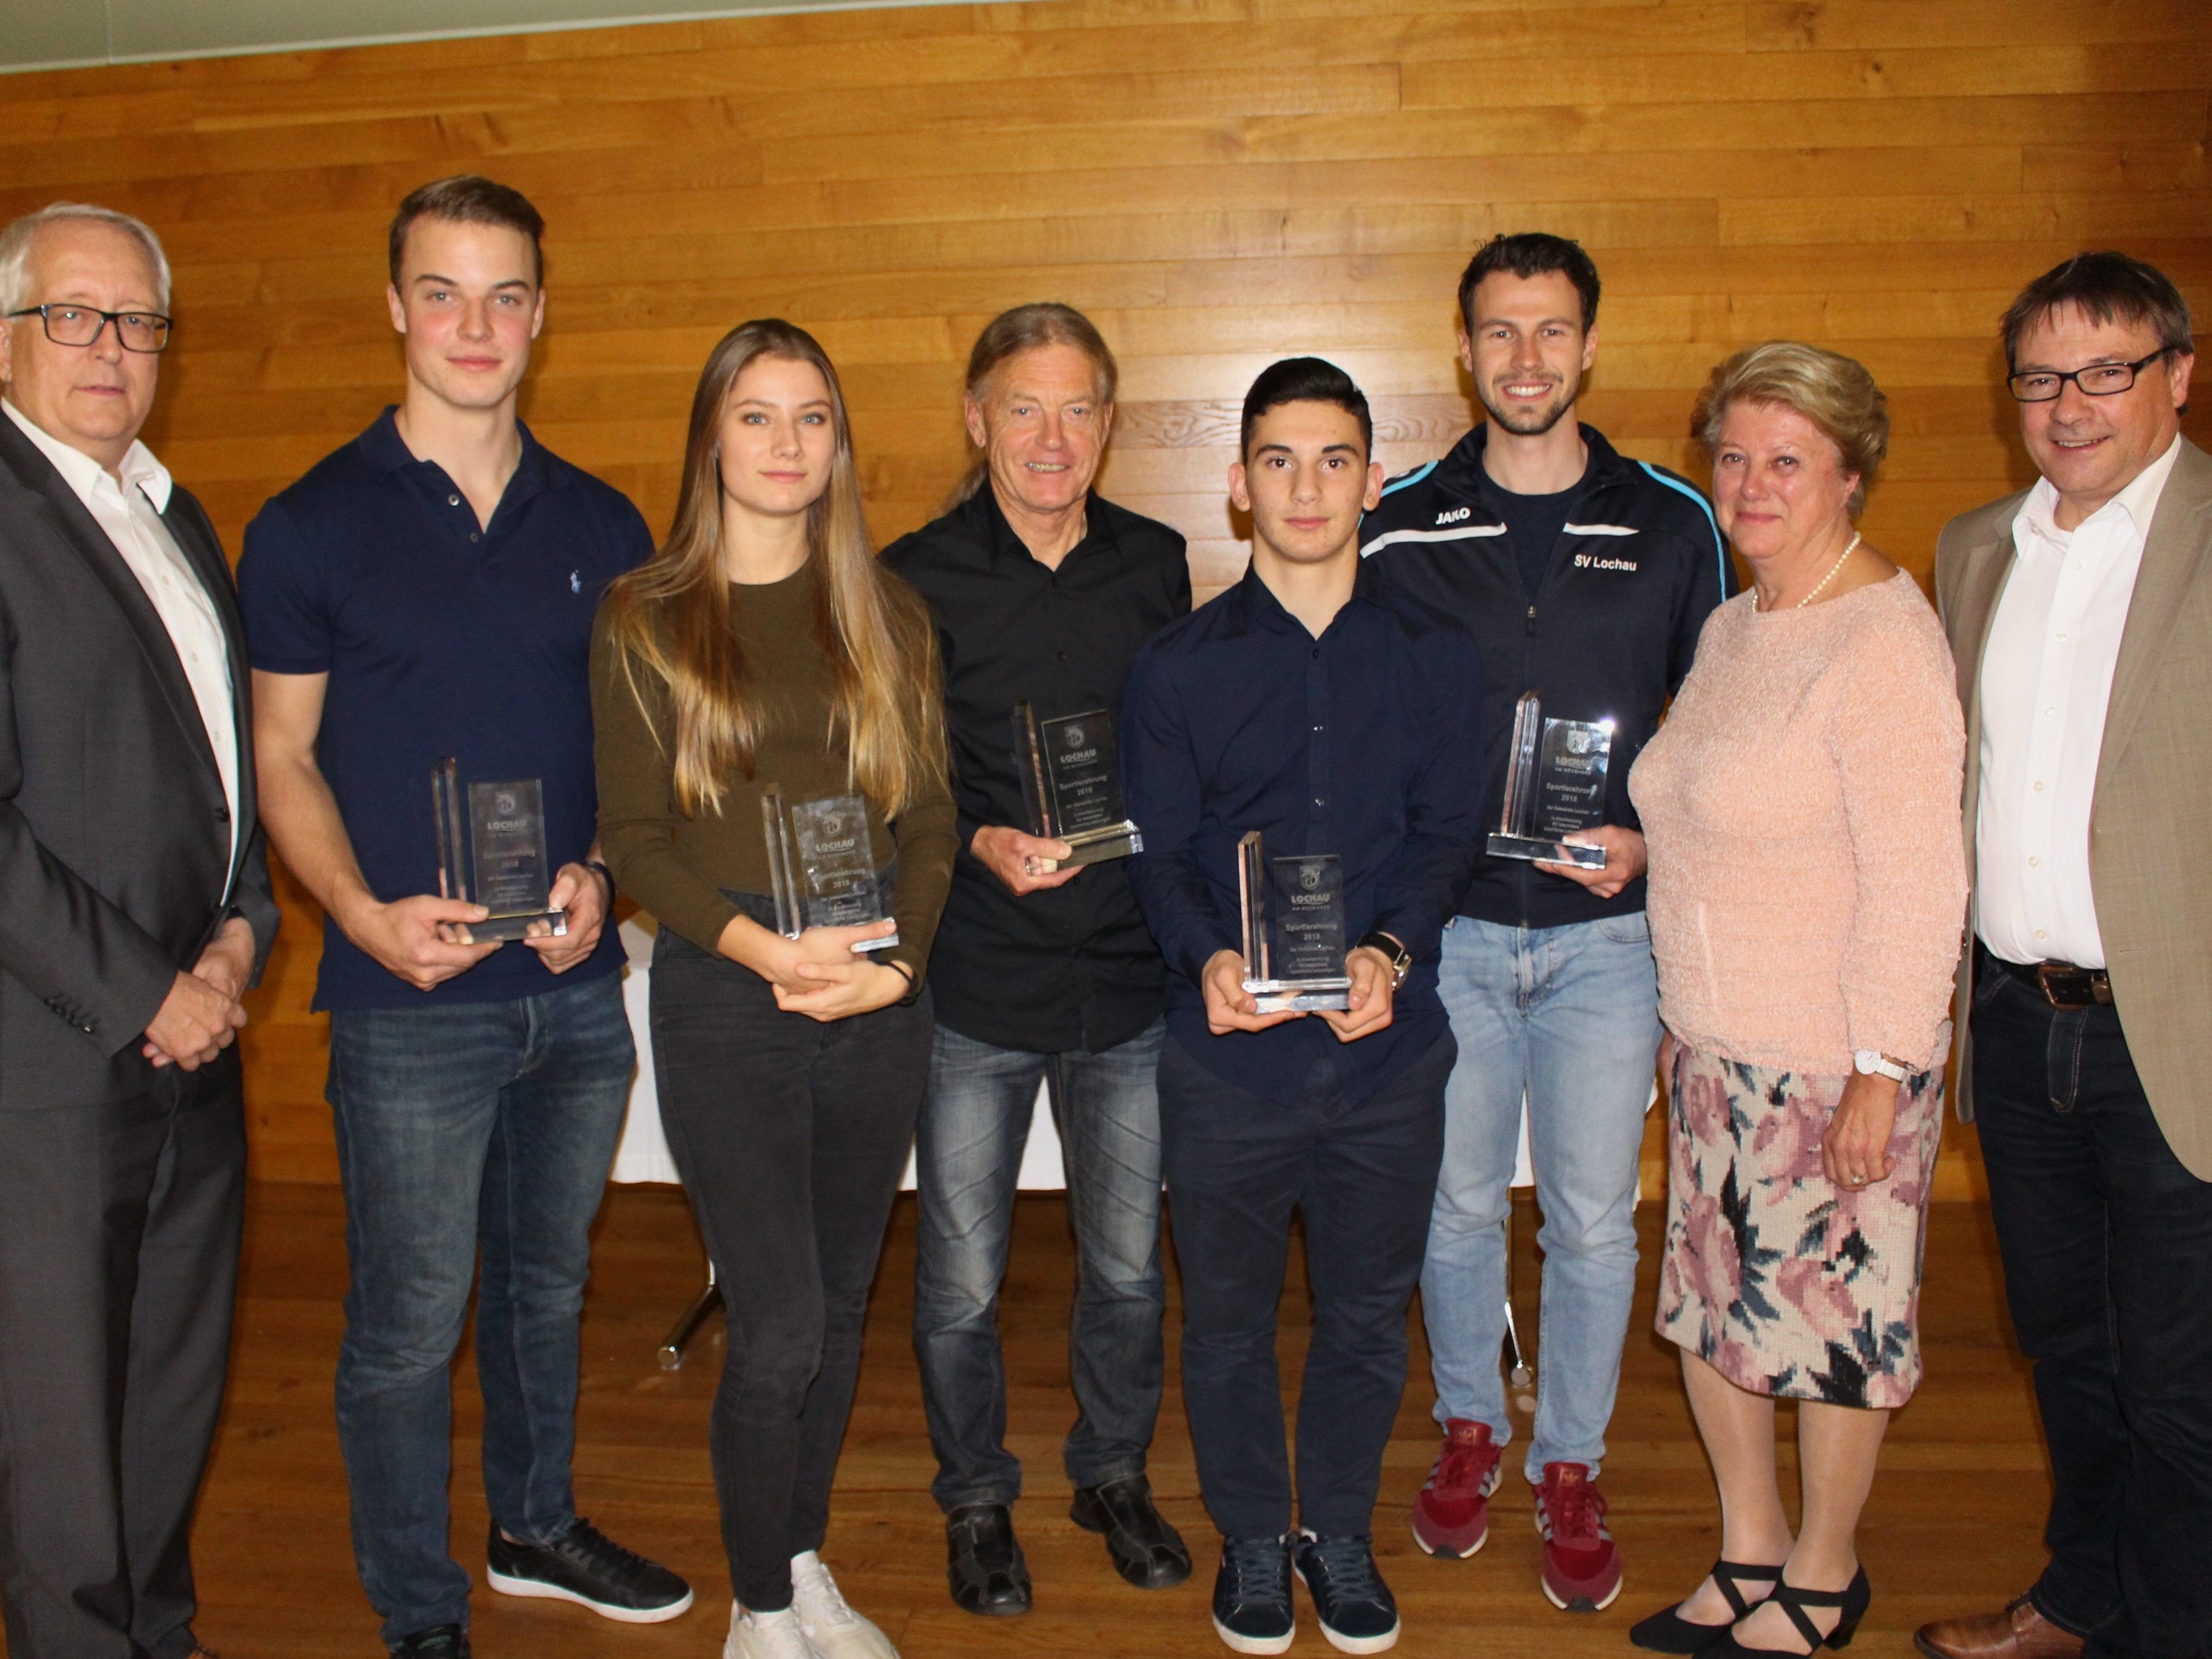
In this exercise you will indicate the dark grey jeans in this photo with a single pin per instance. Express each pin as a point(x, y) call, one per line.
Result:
point(791, 1135)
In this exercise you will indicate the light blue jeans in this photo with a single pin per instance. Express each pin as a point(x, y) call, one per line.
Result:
point(1569, 1015)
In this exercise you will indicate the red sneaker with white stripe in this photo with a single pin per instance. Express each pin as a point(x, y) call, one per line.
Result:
point(1451, 1515)
point(1582, 1566)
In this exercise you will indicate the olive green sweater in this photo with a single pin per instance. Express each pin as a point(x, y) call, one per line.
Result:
point(676, 866)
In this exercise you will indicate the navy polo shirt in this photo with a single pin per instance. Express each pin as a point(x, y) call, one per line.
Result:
point(439, 638)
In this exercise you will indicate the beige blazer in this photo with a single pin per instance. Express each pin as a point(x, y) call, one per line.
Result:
point(2154, 806)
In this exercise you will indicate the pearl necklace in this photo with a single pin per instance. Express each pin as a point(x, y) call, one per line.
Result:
point(1817, 587)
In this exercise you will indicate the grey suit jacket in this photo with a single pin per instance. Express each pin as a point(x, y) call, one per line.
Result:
point(2153, 801)
point(115, 836)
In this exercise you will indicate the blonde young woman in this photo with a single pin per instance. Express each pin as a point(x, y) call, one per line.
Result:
point(764, 647)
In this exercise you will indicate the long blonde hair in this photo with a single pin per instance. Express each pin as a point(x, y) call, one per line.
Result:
point(671, 615)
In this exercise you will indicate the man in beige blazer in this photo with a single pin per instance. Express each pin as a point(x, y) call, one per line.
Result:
point(2080, 613)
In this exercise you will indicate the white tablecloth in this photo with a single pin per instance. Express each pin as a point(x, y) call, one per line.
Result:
point(643, 1155)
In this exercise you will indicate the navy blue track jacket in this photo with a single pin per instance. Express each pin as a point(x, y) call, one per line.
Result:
point(1610, 633)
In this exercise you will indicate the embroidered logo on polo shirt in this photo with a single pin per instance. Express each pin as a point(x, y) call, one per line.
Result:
point(1455, 515)
point(1591, 562)
point(575, 581)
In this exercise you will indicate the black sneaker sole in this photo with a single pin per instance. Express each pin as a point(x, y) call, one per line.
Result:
point(507, 1584)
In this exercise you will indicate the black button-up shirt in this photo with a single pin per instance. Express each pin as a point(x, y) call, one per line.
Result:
point(1358, 744)
point(1072, 968)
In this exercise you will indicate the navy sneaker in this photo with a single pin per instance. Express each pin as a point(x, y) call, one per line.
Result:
point(1252, 1608)
point(1356, 1611)
point(584, 1565)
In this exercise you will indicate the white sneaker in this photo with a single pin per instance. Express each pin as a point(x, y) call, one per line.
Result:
point(767, 1636)
point(830, 1624)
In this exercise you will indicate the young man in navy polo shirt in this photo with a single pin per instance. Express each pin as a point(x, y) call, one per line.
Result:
point(425, 591)
point(1292, 706)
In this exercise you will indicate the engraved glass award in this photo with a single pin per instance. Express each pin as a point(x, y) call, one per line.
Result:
point(1072, 786)
point(1554, 788)
point(821, 871)
point(1293, 928)
point(491, 851)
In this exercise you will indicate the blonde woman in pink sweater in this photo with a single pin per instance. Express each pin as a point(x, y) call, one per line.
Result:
point(1807, 886)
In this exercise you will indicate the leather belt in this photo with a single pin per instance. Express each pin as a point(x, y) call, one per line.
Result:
point(2061, 984)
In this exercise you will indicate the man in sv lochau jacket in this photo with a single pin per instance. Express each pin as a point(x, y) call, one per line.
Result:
point(1585, 578)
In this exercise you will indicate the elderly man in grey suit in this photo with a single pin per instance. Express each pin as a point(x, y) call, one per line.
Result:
point(2080, 613)
point(135, 911)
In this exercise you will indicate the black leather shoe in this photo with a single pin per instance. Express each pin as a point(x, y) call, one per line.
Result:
point(439, 1642)
point(984, 1565)
point(1147, 1551)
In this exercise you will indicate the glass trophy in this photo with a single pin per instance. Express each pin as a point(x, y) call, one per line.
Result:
point(821, 871)
point(491, 851)
point(1293, 929)
point(1554, 788)
point(1072, 786)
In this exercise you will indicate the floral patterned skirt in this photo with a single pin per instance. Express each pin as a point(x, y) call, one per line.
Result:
point(1782, 1282)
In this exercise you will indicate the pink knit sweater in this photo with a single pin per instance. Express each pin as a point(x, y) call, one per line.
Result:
point(1801, 804)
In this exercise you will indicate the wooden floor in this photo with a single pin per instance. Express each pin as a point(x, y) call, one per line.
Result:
point(1954, 1520)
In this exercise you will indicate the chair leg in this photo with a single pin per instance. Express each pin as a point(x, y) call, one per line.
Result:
point(1521, 1375)
point(687, 1322)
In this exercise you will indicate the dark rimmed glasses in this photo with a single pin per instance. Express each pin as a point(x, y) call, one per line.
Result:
point(2043, 385)
point(80, 325)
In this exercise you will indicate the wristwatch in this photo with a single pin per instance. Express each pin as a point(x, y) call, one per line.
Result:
point(1871, 1062)
point(1402, 959)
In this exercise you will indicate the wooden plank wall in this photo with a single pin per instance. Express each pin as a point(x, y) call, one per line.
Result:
point(1218, 182)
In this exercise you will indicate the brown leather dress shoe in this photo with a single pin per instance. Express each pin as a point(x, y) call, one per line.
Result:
point(2018, 1632)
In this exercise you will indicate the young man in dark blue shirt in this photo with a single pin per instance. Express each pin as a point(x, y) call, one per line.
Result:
point(426, 592)
point(1293, 706)
point(1585, 577)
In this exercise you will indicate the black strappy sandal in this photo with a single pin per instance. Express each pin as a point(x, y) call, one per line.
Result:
point(1852, 1599)
point(1668, 1631)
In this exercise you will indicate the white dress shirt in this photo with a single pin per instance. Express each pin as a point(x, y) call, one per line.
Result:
point(131, 513)
point(2047, 678)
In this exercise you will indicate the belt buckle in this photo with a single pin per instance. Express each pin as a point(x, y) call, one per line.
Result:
point(2065, 986)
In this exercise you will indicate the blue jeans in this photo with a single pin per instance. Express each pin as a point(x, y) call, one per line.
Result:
point(470, 1125)
point(1570, 1017)
point(1238, 1163)
point(967, 1151)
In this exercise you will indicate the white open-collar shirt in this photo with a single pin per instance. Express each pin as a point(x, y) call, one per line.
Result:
point(130, 510)
point(2046, 679)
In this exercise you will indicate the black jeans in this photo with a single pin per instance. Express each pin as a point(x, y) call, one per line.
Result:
point(1363, 1176)
point(118, 1263)
point(790, 1135)
point(2107, 1246)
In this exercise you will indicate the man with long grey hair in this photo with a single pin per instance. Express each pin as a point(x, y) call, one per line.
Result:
point(135, 911)
point(1042, 591)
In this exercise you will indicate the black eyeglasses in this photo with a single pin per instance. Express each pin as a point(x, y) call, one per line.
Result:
point(80, 325)
point(2043, 385)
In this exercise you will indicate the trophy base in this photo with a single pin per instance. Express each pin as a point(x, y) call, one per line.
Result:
point(1117, 841)
point(863, 947)
point(1299, 996)
point(1548, 848)
point(501, 930)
